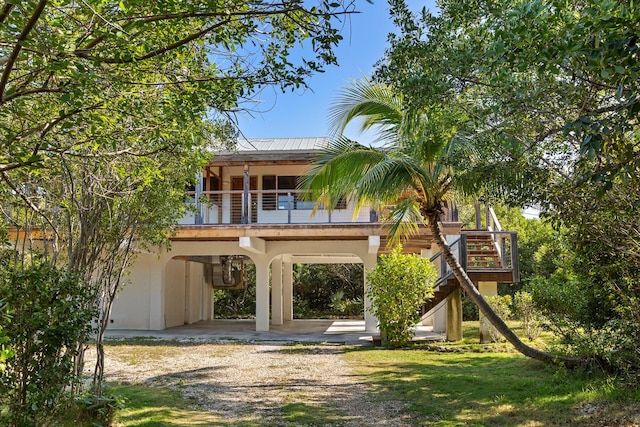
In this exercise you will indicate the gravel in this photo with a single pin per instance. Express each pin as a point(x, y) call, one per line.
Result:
point(253, 381)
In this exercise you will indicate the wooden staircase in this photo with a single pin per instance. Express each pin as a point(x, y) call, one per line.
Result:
point(442, 291)
point(482, 252)
point(487, 253)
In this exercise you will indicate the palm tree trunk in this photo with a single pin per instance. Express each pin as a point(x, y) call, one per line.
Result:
point(466, 284)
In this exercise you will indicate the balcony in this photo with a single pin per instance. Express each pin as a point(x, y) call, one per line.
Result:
point(285, 215)
point(267, 207)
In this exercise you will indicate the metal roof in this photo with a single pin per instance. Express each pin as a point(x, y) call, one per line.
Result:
point(271, 150)
point(282, 144)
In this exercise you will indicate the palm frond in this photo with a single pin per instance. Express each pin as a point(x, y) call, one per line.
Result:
point(374, 103)
point(403, 219)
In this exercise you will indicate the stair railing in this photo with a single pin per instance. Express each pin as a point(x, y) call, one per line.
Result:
point(505, 243)
point(443, 269)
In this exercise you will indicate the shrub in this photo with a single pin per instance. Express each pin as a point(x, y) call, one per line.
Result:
point(398, 286)
point(526, 311)
point(49, 311)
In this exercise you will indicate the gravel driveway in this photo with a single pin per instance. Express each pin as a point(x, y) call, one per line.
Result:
point(254, 380)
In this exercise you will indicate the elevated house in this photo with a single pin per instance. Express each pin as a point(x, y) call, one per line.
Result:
point(246, 209)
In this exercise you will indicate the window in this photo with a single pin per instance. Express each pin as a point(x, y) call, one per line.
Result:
point(342, 203)
point(287, 196)
point(269, 199)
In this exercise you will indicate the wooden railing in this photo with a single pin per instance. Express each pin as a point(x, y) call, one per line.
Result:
point(504, 245)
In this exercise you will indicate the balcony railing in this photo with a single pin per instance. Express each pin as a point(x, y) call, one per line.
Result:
point(266, 207)
point(271, 207)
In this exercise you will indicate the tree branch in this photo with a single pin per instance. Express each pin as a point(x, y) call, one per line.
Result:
point(18, 46)
point(156, 52)
point(24, 197)
point(31, 92)
point(6, 9)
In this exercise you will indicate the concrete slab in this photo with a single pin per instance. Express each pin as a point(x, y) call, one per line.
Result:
point(332, 331)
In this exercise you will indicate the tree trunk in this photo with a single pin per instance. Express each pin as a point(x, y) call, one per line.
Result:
point(466, 284)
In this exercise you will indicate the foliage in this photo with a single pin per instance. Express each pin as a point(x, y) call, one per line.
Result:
point(398, 286)
point(237, 303)
point(501, 304)
point(316, 291)
point(416, 173)
point(526, 311)
point(78, 67)
point(5, 350)
point(49, 311)
point(551, 91)
point(91, 410)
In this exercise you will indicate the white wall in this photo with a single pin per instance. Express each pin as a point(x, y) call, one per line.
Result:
point(174, 305)
point(131, 307)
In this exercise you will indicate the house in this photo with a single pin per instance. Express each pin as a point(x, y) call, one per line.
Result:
point(253, 214)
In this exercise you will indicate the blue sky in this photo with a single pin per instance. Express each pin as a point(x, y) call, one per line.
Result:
point(303, 113)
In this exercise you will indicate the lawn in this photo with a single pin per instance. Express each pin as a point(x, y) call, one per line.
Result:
point(465, 383)
point(443, 384)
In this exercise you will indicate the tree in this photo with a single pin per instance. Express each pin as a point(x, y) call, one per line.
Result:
point(106, 108)
point(552, 90)
point(70, 65)
point(413, 172)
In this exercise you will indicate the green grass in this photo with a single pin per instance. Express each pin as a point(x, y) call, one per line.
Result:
point(301, 414)
point(465, 383)
point(162, 407)
point(476, 387)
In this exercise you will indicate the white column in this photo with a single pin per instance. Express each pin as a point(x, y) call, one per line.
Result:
point(156, 295)
point(262, 293)
point(287, 290)
point(276, 291)
point(370, 321)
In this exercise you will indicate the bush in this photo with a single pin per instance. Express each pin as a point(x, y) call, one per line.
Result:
point(99, 411)
point(328, 290)
point(50, 311)
point(526, 311)
point(398, 286)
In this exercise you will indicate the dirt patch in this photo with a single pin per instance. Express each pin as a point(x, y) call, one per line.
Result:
point(255, 381)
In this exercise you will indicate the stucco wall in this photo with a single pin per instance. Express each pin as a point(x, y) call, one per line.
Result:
point(174, 302)
point(131, 307)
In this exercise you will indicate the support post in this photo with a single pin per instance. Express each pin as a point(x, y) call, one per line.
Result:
point(287, 290)
point(246, 187)
point(486, 289)
point(262, 294)
point(276, 292)
point(454, 316)
point(370, 321)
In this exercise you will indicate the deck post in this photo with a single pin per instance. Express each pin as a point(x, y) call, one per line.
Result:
point(454, 316)
point(262, 293)
point(486, 289)
point(287, 289)
point(246, 187)
point(276, 292)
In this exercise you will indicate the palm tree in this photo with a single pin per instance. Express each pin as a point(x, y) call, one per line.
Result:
point(411, 170)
